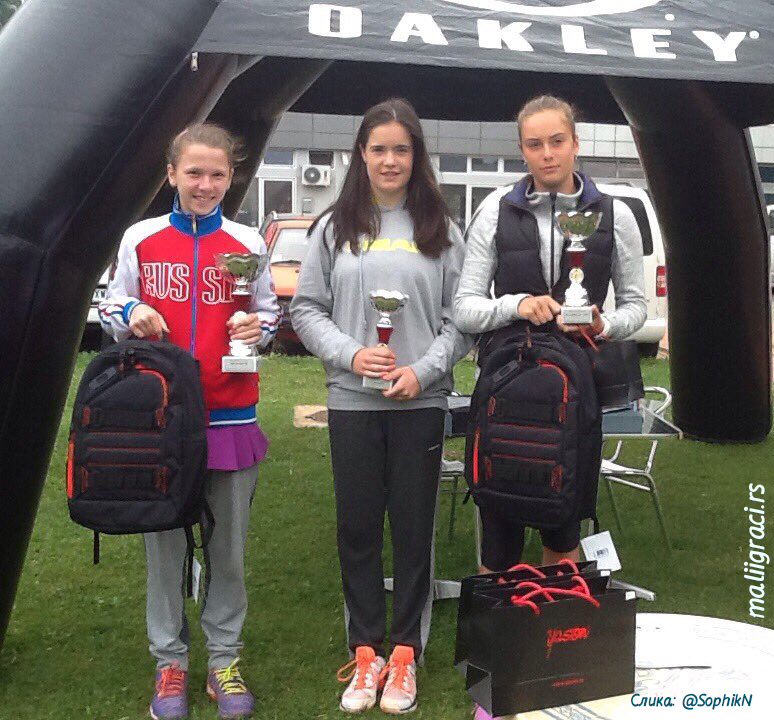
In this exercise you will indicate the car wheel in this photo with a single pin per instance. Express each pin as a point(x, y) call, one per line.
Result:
point(648, 349)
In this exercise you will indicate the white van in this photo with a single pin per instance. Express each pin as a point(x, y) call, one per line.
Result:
point(94, 337)
point(651, 333)
point(92, 320)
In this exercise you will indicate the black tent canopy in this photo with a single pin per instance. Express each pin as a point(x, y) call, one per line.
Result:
point(669, 39)
point(91, 92)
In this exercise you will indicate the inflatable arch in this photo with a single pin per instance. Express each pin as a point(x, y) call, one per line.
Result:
point(91, 92)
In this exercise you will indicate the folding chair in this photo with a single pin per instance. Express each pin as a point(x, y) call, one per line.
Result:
point(639, 478)
point(452, 471)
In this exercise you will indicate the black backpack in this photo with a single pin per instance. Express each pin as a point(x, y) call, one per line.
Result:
point(534, 436)
point(137, 454)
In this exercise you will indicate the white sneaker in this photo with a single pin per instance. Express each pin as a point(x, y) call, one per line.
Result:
point(366, 671)
point(400, 690)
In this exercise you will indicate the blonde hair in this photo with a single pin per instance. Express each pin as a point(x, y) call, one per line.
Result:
point(547, 102)
point(208, 134)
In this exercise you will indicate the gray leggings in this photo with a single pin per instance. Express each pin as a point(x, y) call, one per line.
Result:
point(225, 601)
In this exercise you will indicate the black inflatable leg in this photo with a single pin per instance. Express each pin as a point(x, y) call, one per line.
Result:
point(707, 192)
point(108, 88)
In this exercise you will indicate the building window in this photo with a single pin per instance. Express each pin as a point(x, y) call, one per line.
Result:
point(641, 216)
point(511, 165)
point(599, 169)
point(321, 157)
point(477, 195)
point(611, 169)
point(767, 173)
point(250, 209)
point(453, 163)
point(455, 199)
point(484, 164)
point(273, 156)
point(630, 170)
point(278, 196)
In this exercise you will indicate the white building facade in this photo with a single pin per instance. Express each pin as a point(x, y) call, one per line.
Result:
point(308, 156)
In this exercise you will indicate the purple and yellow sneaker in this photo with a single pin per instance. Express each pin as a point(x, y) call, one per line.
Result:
point(228, 689)
point(170, 699)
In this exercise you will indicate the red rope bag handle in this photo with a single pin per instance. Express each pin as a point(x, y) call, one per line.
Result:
point(549, 593)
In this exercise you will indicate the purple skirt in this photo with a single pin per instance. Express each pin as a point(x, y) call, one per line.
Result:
point(235, 447)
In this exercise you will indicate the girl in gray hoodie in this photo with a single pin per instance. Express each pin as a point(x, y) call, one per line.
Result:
point(389, 230)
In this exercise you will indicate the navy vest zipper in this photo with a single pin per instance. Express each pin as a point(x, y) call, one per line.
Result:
point(553, 230)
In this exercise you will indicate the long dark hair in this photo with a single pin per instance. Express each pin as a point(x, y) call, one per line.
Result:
point(355, 213)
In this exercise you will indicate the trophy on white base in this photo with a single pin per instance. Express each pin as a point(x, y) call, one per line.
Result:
point(386, 303)
point(577, 227)
point(240, 269)
point(242, 358)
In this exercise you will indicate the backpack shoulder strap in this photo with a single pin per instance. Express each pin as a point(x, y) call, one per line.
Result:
point(206, 528)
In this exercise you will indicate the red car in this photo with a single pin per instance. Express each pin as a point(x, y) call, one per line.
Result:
point(287, 243)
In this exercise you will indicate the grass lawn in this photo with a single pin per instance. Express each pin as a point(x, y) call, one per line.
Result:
point(76, 646)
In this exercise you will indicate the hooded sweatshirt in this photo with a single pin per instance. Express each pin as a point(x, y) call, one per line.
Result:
point(332, 313)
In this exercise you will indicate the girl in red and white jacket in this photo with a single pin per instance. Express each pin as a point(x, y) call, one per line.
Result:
point(166, 283)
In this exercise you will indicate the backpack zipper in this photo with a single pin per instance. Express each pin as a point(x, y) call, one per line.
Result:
point(565, 388)
point(525, 459)
point(120, 464)
point(476, 440)
point(556, 472)
point(70, 453)
point(160, 418)
point(525, 442)
point(159, 477)
point(124, 434)
point(556, 479)
point(536, 428)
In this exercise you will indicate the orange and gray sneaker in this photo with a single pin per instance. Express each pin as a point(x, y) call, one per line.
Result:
point(364, 677)
point(400, 691)
point(169, 700)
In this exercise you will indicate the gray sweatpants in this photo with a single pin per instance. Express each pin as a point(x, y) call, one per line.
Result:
point(225, 600)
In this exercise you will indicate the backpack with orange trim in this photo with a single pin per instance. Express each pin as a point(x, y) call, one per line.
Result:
point(534, 436)
point(137, 454)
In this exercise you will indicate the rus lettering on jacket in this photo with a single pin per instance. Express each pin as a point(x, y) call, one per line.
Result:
point(164, 280)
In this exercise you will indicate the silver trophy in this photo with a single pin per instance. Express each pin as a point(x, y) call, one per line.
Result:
point(240, 269)
point(577, 227)
point(386, 303)
point(242, 358)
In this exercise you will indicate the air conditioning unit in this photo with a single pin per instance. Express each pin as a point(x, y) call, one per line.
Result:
point(319, 175)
